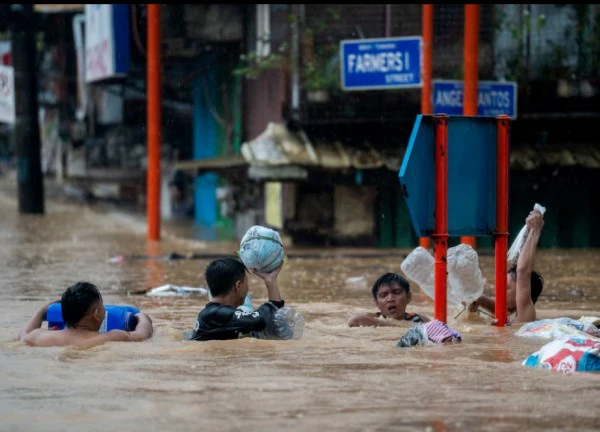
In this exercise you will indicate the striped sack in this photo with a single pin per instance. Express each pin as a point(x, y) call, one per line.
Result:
point(439, 332)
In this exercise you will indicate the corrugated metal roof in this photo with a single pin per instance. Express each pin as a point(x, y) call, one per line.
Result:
point(529, 157)
point(278, 146)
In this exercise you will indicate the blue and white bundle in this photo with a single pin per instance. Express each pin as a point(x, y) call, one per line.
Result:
point(261, 249)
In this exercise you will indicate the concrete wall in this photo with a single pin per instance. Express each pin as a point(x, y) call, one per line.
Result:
point(354, 212)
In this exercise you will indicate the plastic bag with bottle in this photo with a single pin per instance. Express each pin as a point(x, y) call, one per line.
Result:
point(286, 323)
point(519, 241)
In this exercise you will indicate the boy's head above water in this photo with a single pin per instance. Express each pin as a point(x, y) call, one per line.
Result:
point(391, 294)
point(537, 286)
point(82, 306)
point(227, 276)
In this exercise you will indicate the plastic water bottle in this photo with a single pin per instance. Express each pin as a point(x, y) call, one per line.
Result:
point(465, 282)
point(418, 267)
point(247, 306)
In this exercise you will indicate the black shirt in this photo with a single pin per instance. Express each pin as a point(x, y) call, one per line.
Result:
point(221, 322)
point(407, 317)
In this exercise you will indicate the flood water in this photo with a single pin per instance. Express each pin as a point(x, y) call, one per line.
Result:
point(334, 378)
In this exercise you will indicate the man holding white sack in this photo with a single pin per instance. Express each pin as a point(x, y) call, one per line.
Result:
point(523, 285)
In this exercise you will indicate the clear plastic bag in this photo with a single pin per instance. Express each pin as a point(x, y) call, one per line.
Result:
point(285, 324)
point(517, 245)
point(415, 336)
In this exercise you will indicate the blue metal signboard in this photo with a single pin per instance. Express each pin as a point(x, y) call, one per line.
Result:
point(494, 98)
point(471, 176)
point(389, 63)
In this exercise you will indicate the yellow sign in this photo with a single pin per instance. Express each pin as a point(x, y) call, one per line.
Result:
point(273, 205)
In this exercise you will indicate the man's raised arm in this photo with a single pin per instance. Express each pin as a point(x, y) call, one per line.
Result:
point(525, 263)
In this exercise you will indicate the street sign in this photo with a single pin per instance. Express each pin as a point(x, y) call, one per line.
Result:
point(494, 98)
point(379, 64)
point(7, 94)
point(471, 176)
point(106, 41)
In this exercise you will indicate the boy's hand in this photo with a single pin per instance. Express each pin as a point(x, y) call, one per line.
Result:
point(271, 283)
point(474, 306)
point(269, 278)
point(36, 321)
point(44, 309)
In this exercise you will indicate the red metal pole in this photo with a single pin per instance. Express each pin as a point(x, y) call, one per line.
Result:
point(471, 59)
point(501, 217)
point(426, 108)
point(441, 215)
point(471, 68)
point(427, 26)
point(154, 122)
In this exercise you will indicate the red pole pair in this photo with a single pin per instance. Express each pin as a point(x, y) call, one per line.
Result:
point(441, 220)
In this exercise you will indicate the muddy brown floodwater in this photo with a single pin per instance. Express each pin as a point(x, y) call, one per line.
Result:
point(333, 379)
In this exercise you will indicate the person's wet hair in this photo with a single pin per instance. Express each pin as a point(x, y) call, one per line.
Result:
point(77, 301)
point(537, 282)
point(222, 274)
point(387, 279)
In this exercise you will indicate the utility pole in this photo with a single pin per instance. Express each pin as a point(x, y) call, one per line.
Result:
point(29, 173)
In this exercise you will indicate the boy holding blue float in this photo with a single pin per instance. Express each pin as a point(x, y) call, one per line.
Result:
point(85, 317)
